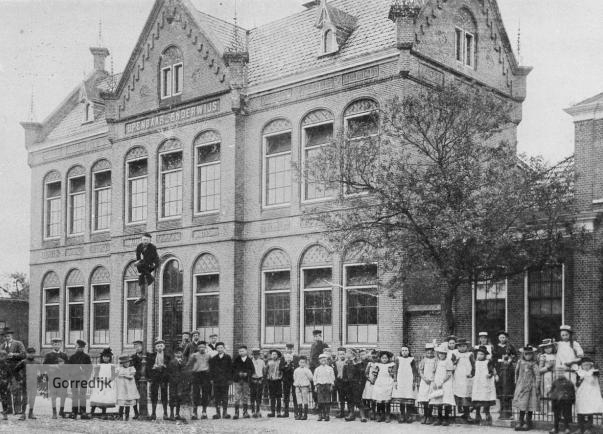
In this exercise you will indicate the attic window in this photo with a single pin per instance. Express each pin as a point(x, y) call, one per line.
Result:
point(171, 74)
point(465, 39)
point(329, 43)
point(88, 112)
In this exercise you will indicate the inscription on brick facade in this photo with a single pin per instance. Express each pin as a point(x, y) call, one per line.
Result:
point(169, 238)
point(361, 75)
point(317, 86)
point(277, 226)
point(206, 233)
point(430, 74)
point(277, 97)
point(74, 251)
point(51, 254)
point(100, 248)
point(131, 242)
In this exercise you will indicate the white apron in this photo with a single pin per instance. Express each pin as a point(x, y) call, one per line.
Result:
point(428, 372)
point(588, 395)
point(105, 396)
point(405, 380)
point(367, 393)
point(463, 384)
point(484, 388)
point(565, 354)
point(442, 368)
point(382, 390)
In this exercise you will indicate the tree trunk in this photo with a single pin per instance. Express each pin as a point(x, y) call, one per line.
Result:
point(446, 309)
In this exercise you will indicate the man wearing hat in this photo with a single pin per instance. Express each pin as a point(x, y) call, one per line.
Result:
point(16, 352)
point(52, 360)
point(220, 369)
point(198, 363)
point(318, 347)
point(81, 373)
point(157, 363)
point(26, 372)
point(504, 356)
point(147, 260)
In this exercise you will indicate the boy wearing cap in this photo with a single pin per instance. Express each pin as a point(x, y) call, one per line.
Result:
point(353, 382)
point(53, 359)
point(157, 364)
point(220, 368)
point(274, 376)
point(79, 389)
point(243, 369)
point(324, 379)
point(178, 384)
point(213, 343)
point(198, 363)
point(340, 385)
point(287, 368)
point(192, 345)
point(147, 260)
point(256, 384)
point(26, 373)
point(302, 381)
point(136, 363)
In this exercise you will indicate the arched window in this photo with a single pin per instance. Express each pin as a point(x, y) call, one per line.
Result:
point(52, 205)
point(276, 290)
point(171, 73)
point(74, 286)
point(171, 303)
point(133, 312)
point(51, 315)
point(206, 275)
point(170, 179)
point(317, 131)
point(100, 288)
point(76, 216)
point(207, 176)
point(277, 163)
point(136, 195)
point(88, 111)
point(465, 38)
point(101, 209)
point(317, 293)
point(360, 286)
point(329, 44)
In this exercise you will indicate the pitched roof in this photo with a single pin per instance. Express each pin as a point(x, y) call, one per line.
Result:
point(592, 99)
point(220, 32)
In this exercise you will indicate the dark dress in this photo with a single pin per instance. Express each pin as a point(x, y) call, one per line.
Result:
point(353, 380)
point(505, 357)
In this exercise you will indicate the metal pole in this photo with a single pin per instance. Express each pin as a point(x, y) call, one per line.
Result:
point(142, 403)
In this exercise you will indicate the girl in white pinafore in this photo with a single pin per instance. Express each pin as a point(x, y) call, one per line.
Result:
point(367, 393)
point(588, 395)
point(568, 354)
point(483, 391)
point(103, 373)
point(384, 383)
point(441, 395)
point(405, 390)
point(463, 378)
point(427, 368)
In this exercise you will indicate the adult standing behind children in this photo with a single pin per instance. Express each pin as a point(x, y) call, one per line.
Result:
point(15, 351)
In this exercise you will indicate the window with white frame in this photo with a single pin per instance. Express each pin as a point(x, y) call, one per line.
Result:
point(317, 132)
point(171, 74)
point(77, 205)
point(171, 303)
point(137, 191)
point(171, 184)
point(207, 175)
point(51, 315)
point(207, 288)
point(361, 300)
point(545, 302)
point(464, 38)
point(133, 314)
point(490, 307)
point(317, 302)
point(101, 301)
point(52, 213)
point(102, 200)
point(75, 314)
point(277, 163)
point(277, 290)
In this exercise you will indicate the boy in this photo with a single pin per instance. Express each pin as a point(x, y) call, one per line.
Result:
point(4, 383)
point(287, 367)
point(324, 379)
point(563, 396)
point(243, 369)
point(353, 380)
point(302, 382)
point(177, 382)
point(220, 369)
point(55, 358)
point(157, 364)
point(198, 363)
point(340, 384)
point(26, 373)
point(136, 363)
point(274, 376)
point(257, 382)
point(147, 260)
point(78, 391)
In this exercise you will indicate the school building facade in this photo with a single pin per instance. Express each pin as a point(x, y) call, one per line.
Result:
point(195, 142)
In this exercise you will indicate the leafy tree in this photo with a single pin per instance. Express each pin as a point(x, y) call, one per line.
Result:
point(440, 197)
point(20, 287)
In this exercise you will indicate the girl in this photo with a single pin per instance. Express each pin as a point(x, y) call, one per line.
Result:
point(525, 398)
point(483, 342)
point(588, 395)
point(384, 383)
point(546, 363)
point(569, 353)
point(405, 386)
point(367, 394)
point(103, 397)
point(441, 395)
point(127, 392)
point(324, 379)
point(463, 378)
point(483, 391)
point(427, 368)
point(504, 355)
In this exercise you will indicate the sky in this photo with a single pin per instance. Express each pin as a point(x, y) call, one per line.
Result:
point(44, 50)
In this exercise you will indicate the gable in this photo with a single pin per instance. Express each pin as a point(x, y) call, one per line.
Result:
point(172, 27)
point(72, 122)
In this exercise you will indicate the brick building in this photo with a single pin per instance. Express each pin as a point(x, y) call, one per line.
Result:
point(195, 143)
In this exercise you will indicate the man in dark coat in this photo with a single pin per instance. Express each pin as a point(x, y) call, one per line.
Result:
point(147, 260)
point(243, 369)
point(16, 352)
point(81, 374)
point(54, 359)
point(137, 364)
point(27, 372)
point(317, 348)
point(220, 370)
point(504, 357)
point(157, 373)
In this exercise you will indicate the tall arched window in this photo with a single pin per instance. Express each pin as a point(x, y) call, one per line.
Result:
point(76, 216)
point(170, 179)
point(136, 194)
point(74, 286)
point(317, 132)
point(277, 163)
point(276, 290)
point(171, 73)
point(52, 205)
point(465, 34)
point(171, 303)
point(133, 312)
point(101, 208)
point(207, 176)
point(51, 315)
point(206, 274)
point(317, 293)
point(100, 288)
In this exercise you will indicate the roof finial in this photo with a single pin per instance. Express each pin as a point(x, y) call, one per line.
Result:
point(237, 36)
point(32, 113)
point(519, 59)
point(112, 83)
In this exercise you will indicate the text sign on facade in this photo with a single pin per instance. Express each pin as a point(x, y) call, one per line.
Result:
point(173, 117)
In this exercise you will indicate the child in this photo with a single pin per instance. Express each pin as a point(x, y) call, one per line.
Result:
point(483, 342)
point(588, 395)
point(275, 383)
point(441, 395)
point(242, 368)
point(287, 368)
point(340, 386)
point(547, 364)
point(568, 354)
point(177, 383)
point(26, 373)
point(427, 368)
point(562, 396)
point(157, 364)
point(53, 360)
point(4, 383)
point(525, 398)
point(324, 379)
point(463, 378)
point(353, 380)
point(483, 391)
point(405, 386)
point(103, 397)
point(367, 394)
point(302, 382)
point(384, 384)
point(220, 368)
point(256, 386)
point(125, 384)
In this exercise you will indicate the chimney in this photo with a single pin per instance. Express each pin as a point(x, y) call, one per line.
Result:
point(33, 133)
point(404, 13)
point(99, 55)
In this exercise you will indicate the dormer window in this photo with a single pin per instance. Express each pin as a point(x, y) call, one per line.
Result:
point(329, 42)
point(88, 112)
point(465, 39)
point(171, 75)
point(335, 26)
